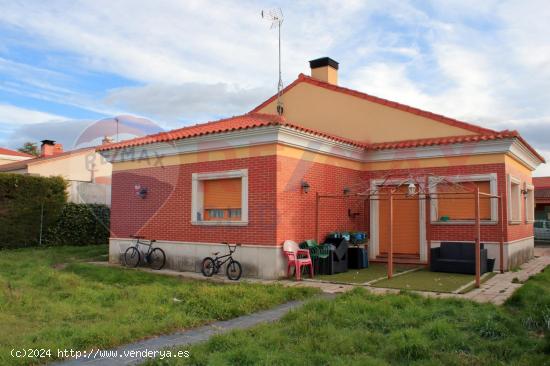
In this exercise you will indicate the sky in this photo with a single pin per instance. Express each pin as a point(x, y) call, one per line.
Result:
point(66, 64)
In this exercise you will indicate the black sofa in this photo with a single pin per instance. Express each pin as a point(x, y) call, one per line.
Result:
point(457, 258)
point(337, 261)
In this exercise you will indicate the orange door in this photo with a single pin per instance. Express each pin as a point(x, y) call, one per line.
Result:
point(406, 229)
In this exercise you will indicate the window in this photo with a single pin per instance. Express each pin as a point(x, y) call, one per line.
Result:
point(220, 198)
point(514, 200)
point(462, 206)
point(529, 203)
point(455, 205)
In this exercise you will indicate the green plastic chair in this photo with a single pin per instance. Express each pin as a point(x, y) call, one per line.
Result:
point(316, 250)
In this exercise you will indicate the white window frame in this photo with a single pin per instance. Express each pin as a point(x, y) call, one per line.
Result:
point(516, 181)
point(529, 203)
point(197, 197)
point(491, 178)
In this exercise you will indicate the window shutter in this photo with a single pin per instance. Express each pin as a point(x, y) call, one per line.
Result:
point(461, 206)
point(222, 193)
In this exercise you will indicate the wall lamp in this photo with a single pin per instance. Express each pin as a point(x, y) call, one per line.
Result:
point(141, 192)
point(305, 186)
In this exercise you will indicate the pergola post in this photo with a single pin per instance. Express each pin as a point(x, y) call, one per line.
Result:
point(427, 201)
point(478, 238)
point(317, 198)
point(390, 252)
point(501, 243)
point(428, 229)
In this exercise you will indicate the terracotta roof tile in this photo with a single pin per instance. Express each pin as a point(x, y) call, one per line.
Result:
point(4, 151)
point(453, 140)
point(246, 121)
point(541, 182)
point(254, 120)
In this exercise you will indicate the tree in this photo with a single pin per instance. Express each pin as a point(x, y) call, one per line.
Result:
point(29, 148)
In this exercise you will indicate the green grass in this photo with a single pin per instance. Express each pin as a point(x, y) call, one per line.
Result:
point(425, 280)
point(358, 328)
point(373, 272)
point(47, 305)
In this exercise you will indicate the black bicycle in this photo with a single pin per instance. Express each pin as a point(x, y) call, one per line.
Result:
point(211, 266)
point(155, 257)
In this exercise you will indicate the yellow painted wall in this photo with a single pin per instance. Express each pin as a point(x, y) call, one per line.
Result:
point(6, 161)
point(356, 118)
point(515, 167)
point(77, 166)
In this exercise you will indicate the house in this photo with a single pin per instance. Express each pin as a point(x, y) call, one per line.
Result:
point(542, 198)
point(8, 156)
point(258, 178)
point(88, 174)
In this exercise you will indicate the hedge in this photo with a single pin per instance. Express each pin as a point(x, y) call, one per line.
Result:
point(80, 224)
point(24, 199)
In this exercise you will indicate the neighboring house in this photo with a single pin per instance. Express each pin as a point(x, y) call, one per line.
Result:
point(87, 172)
point(255, 179)
point(542, 198)
point(9, 156)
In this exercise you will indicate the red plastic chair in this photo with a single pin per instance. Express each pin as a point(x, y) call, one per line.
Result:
point(297, 258)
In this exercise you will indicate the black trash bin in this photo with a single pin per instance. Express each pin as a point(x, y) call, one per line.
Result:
point(490, 264)
point(337, 261)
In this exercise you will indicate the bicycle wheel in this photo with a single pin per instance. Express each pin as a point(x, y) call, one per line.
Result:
point(157, 258)
point(234, 270)
point(208, 267)
point(131, 257)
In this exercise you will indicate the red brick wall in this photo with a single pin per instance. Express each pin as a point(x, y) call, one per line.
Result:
point(446, 232)
point(296, 212)
point(166, 212)
point(278, 209)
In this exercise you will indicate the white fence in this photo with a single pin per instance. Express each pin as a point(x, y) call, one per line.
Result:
point(85, 192)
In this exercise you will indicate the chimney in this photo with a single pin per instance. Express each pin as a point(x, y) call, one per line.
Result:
point(324, 69)
point(50, 148)
point(106, 140)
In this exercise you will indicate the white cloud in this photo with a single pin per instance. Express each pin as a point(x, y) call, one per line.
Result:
point(17, 116)
point(189, 101)
point(485, 62)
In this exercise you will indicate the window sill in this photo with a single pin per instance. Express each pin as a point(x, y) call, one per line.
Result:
point(515, 222)
point(464, 222)
point(219, 223)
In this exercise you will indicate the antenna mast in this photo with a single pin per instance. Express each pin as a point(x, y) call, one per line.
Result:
point(275, 16)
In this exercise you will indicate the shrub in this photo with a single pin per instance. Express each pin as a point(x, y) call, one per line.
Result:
point(80, 224)
point(24, 200)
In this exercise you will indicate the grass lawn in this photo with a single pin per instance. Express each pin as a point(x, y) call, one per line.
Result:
point(374, 271)
point(358, 328)
point(49, 298)
point(425, 280)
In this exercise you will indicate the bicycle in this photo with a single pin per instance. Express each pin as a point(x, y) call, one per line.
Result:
point(155, 257)
point(211, 266)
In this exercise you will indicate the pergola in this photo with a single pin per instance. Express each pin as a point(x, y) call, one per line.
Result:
point(423, 187)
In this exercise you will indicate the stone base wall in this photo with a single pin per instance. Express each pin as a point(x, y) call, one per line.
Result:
point(258, 261)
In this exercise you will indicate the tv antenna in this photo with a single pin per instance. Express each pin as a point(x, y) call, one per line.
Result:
point(275, 16)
